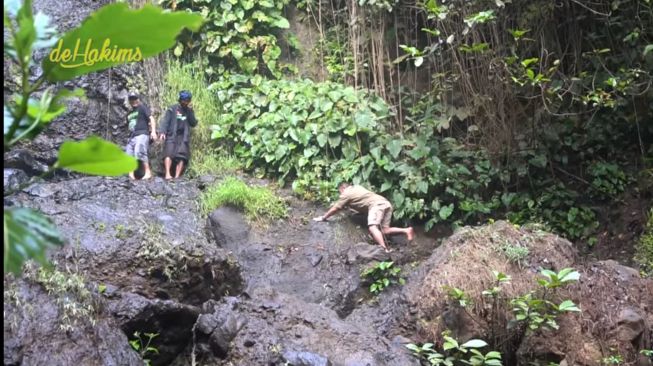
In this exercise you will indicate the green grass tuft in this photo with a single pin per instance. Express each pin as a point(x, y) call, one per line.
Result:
point(259, 203)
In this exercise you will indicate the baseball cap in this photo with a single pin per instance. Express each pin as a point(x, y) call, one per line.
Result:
point(132, 96)
point(185, 95)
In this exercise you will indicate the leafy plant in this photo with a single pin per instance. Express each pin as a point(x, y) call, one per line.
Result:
point(608, 180)
point(237, 37)
point(537, 312)
point(453, 353)
point(27, 232)
point(382, 275)
point(143, 347)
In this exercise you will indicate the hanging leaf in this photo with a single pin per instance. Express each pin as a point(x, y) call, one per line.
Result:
point(137, 34)
point(95, 156)
point(27, 235)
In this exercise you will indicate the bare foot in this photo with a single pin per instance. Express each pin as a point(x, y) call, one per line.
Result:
point(388, 250)
point(411, 234)
point(131, 175)
point(168, 177)
point(147, 175)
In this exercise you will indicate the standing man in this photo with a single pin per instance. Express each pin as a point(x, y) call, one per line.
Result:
point(175, 132)
point(139, 139)
point(378, 209)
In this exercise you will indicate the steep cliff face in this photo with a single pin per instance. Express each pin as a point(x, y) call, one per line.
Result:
point(102, 113)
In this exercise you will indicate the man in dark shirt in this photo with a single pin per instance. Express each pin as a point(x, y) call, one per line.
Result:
point(175, 131)
point(139, 139)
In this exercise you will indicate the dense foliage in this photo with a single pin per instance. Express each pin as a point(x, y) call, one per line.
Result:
point(239, 36)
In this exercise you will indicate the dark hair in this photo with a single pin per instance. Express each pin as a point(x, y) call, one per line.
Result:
point(132, 96)
point(343, 185)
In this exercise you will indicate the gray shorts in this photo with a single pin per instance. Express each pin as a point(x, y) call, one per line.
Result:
point(137, 147)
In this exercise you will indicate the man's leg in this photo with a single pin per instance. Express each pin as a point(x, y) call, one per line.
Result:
point(142, 142)
point(378, 237)
point(410, 233)
point(167, 162)
point(180, 168)
point(148, 172)
point(129, 150)
point(374, 220)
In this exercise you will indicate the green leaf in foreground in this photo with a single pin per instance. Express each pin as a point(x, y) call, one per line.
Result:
point(95, 156)
point(28, 234)
point(117, 35)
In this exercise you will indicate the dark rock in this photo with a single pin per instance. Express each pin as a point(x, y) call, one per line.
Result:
point(37, 332)
point(24, 160)
point(227, 227)
point(363, 253)
point(630, 324)
point(315, 259)
point(13, 178)
point(172, 321)
point(305, 359)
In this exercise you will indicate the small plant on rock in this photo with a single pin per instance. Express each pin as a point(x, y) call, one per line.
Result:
point(453, 353)
point(382, 275)
point(143, 347)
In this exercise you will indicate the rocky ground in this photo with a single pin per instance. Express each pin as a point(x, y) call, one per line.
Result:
point(140, 258)
point(218, 291)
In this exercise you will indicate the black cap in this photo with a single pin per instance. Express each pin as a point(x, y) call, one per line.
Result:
point(132, 96)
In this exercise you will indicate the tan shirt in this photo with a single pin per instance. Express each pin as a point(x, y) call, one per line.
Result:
point(359, 199)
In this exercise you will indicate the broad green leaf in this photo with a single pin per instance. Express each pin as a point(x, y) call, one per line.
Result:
point(394, 147)
point(446, 211)
point(321, 139)
point(95, 156)
point(280, 22)
point(334, 140)
point(27, 235)
point(568, 305)
point(474, 343)
point(115, 35)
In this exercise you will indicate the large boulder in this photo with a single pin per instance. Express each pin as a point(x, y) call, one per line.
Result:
point(144, 244)
point(274, 328)
point(52, 319)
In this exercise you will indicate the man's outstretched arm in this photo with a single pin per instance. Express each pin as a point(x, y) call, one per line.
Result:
point(332, 211)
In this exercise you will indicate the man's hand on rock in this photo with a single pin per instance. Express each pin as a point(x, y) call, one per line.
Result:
point(319, 218)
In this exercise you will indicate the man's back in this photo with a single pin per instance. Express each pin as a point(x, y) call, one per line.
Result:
point(360, 199)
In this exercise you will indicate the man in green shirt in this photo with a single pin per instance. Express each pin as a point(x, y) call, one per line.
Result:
point(378, 209)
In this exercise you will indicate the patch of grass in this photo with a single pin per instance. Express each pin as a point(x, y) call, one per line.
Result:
point(164, 257)
point(514, 253)
point(644, 248)
point(69, 289)
point(205, 156)
point(259, 203)
point(217, 164)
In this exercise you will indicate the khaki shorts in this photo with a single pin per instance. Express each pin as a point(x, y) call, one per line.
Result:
point(380, 214)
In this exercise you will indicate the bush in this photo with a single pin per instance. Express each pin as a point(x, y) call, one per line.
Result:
point(259, 203)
